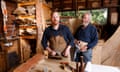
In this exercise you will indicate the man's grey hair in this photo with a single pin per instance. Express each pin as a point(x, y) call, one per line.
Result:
point(90, 15)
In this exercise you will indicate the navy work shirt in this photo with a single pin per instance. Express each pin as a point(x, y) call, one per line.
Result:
point(62, 30)
point(88, 34)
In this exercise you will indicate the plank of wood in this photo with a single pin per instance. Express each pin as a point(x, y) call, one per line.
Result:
point(111, 50)
point(29, 64)
point(97, 52)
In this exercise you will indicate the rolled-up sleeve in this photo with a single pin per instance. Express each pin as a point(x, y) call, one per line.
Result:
point(44, 39)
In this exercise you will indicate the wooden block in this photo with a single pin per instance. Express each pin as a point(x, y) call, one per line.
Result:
point(46, 54)
point(64, 63)
point(55, 57)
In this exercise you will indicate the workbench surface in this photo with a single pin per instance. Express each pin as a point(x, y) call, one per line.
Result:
point(52, 65)
point(41, 64)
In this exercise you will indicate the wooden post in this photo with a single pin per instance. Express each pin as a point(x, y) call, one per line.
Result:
point(77, 66)
point(39, 19)
point(80, 65)
point(81, 68)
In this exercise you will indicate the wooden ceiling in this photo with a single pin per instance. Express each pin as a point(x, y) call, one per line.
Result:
point(63, 5)
point(83, 4)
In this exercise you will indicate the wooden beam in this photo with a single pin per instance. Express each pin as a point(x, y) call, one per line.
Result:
point(110, 1)
point(53, 3)
point(72, 4)
point(118, 12)
point(76, 7)
point(86, 3)
point(61, 5)
point(40, 24)
point(109, 16)
point(102, 3)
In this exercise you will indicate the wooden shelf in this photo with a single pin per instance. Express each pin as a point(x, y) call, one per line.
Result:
point(26, 16)
point(30, 3)
point(10, 38)
point(28, 37)
point(26, 3)
point(25, 26)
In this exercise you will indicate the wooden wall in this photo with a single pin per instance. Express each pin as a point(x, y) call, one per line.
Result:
point(10, 24)
point(8, 51)
point(1, 21)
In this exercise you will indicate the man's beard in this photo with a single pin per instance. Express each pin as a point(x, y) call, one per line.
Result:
point(56, 22)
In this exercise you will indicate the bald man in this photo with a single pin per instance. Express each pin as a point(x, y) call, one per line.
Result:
point(87, 37)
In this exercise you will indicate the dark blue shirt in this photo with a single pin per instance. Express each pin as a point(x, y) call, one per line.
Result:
point(88, 34)
point(62, 30)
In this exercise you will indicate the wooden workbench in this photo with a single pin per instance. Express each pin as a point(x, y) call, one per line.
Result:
point(39, 64)
point(24, 67)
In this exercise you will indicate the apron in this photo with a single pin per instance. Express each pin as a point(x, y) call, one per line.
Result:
point(57, 43)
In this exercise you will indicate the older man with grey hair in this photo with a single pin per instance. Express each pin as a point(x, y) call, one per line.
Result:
point(86, 38)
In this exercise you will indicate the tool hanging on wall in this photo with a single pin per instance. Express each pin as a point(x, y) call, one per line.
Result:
point(4, 11)
point(5, 19)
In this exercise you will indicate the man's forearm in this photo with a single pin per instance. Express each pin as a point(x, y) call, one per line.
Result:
point(67, 51)
point(49, 49)
point(68, 47)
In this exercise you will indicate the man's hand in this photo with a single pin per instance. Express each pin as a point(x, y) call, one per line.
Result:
point(51, 52)
point(66, 52)
point(83, 49)
point(81, 45)
point(77, 42)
